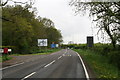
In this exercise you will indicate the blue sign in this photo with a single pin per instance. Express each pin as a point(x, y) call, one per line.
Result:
point(53, 45)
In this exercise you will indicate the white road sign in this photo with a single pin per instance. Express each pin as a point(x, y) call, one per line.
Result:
point(57, 45)
point(42, 42)
point(1, 50)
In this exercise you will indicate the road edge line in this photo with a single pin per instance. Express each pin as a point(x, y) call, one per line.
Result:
point(86, 72)
point(11, 66)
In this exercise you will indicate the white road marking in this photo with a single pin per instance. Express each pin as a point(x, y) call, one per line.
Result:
point(28, 75)
point(86, 73)
point(12, 66)
point(49, 63)
point(60, 57)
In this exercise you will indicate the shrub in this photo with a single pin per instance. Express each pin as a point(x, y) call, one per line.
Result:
point(114, 57)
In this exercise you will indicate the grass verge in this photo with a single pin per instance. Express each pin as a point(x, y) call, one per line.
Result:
point(100, 64)
point(41, 52)
point(48, 51)
point(4, 58)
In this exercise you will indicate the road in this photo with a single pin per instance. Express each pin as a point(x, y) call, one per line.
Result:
point(62, 64)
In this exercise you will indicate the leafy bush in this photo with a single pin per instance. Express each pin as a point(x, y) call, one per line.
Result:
point(114, 57)
point(6, 57)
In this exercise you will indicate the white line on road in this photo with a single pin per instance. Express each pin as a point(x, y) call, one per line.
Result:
point(12, 66)
point(86, 73)
point(63, 54)
point(28, 75)
point(60, 57)
point(50, 63)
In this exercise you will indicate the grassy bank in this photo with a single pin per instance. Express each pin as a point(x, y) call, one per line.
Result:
point(100, 64)
point(4, 58)
point(40, 52)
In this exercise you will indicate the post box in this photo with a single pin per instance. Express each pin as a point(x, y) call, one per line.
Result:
point(5, 50)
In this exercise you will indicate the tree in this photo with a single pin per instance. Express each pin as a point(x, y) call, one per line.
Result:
point(106, 14)
point(24, 28)
point(18, 32)
point(5, 2)
point(53, 35)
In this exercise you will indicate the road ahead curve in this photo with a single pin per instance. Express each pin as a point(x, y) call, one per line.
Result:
point(61, 64)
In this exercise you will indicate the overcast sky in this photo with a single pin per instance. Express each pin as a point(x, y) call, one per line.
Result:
point(73, 27)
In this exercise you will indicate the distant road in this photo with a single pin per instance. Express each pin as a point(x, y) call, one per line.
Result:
point(61, 64)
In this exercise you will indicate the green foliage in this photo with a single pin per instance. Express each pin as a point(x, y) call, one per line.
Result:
point(47, 51)
point(100, 64)
point(21, 28)
point(76, 46)
point(39, 52)
point(102, 49)
point(5, 58)
point(106, 15)
point(114, 57)
point(106, 50)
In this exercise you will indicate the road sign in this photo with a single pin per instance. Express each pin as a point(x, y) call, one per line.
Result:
point(9, 50)
point(90, 41)
point(1, 50)
point(57, 45)
point(53, 45)
point(42, 42)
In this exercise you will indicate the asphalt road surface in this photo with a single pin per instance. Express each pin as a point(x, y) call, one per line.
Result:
point(61, 64)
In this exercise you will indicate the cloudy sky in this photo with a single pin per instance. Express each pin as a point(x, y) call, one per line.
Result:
point(73, 27)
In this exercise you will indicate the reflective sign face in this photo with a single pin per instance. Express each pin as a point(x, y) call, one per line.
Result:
point(53, 45)
point(90, 41)
point(42, 42)
point(57, 45)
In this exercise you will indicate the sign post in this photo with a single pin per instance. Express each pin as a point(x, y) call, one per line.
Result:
point(42, 43)
point(5, 52)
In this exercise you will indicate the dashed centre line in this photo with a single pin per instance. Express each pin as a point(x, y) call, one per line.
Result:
point(59, 57)
point(28, 75)
point(49, 63)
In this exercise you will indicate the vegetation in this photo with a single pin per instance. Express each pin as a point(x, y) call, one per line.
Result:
point(39, 52)
point(4, 58)
point(21, 28)
point(102, 58)
point(107, 18)
point(106, 14)
point(100, 64)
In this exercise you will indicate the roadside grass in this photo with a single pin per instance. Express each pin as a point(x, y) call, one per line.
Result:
point(100, 64)
point(41, 52)
point(0, 58)
point(48, 51)
point(4, 58)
